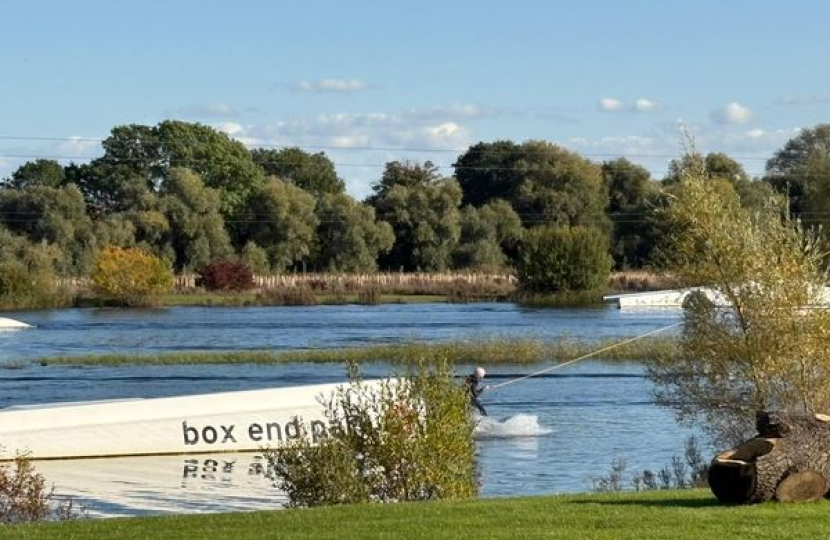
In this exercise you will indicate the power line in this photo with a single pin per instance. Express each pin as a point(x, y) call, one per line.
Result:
point(146, 141)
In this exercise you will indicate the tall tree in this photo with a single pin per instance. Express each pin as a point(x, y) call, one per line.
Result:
point(312, 172)
point(801, 171)
point(488, 171)
point(197, 230)
point(487, 235)
point(140, 157)
point(422, 209)
point(349, 238)
point(761, 349)
point(544, 182)
point(54, 216)
point(280, 219)
point(41, 172)
point(632, 194)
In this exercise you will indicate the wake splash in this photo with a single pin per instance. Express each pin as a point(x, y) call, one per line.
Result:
point(520, 425)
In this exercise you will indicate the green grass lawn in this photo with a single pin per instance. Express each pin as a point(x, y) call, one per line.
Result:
point(663, 515)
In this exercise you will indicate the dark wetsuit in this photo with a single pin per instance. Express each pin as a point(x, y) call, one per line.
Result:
point(475, 390)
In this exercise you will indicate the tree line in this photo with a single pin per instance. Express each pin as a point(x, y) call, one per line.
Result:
point(190, 194)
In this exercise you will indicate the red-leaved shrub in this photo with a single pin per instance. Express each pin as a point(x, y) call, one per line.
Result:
point(226, 276)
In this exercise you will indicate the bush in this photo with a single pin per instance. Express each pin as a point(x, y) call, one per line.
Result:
point(226, 276)
point(23, 494)
point(557, 259)
point(404, 441)
point(22, 287)
point(131, 276)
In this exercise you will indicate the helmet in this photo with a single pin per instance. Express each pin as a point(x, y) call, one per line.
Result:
point(479, 372)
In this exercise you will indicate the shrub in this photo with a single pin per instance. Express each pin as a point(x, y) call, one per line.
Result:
point(23, 287)
point(131, 276)
point(226, 276)
point(23, 493)
point(407, 440)
point(557, 259)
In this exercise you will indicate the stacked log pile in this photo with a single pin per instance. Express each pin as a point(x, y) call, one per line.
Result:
point(788, 461)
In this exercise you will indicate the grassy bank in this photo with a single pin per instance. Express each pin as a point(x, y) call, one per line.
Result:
point(659, 515)
point(496, 351)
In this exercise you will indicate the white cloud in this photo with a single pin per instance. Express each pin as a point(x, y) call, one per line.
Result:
point(645, 105)
point(732, 113)
point(230, 128)
point(640, 105)
point(332, 85)
point(360, 144)
point(610, 104)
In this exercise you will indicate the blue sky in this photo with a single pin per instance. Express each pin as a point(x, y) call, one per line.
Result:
point(370, 81)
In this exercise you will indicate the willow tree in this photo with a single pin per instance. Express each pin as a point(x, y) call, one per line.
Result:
point(753, 341)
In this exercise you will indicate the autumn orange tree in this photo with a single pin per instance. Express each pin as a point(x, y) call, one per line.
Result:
point(131, 276)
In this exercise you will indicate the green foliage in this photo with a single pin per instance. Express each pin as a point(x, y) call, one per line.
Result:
point(55, 216)
point(422, 209)
point(402, 440)
point(543, 182)
point(488, 171)
point(632, 196)
point(312, 172)
point(256, 258)
point(281, 220)
point(349, 239)
point(556, 259)
point(487, 234)
point(197, 229)
point(41, 172)
point(801, 169)
point(131, 276)
point(762, 349)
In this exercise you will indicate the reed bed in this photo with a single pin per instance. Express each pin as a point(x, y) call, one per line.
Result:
point(494, 351)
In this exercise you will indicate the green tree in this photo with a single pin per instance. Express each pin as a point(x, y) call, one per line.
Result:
point(422, 209)
point(280, 218)
point(801, 172)
point(312, 172)
point(544, 183)
point(761, 350)
point(256, 258)
point(489, 171)
point(487, 235)
point(27, 272)
point(197, 230)
point(54, 216)
point(719, 166)
point(41, 172)
point(349, 238)
point(561, 259)
point(632, 196)
point(138, 158)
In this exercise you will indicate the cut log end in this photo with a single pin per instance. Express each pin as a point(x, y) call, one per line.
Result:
point(803, 486)
point(732, 481)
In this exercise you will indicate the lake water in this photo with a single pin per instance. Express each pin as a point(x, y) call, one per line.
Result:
point(549, 434)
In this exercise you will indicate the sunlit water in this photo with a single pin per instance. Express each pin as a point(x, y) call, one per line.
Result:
point(547, 434)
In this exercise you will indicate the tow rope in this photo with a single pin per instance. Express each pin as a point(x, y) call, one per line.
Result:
point(583, 357)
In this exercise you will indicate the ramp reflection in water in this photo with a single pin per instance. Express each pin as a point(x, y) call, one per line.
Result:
point(130, 486)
